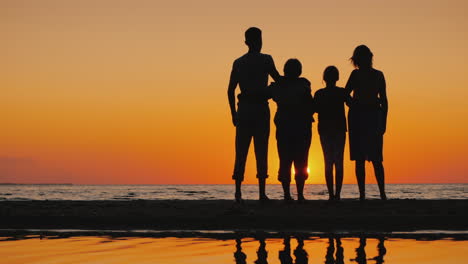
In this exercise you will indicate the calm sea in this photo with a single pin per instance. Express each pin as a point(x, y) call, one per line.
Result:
point(218, 192)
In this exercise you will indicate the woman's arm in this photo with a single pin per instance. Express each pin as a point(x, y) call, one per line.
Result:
point(350, 86)
point(383, 100)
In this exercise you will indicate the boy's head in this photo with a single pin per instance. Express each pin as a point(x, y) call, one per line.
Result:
point(331, 75)
point(253, 38)
point(292, 68)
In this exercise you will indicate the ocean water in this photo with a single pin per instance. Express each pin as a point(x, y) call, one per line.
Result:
point(219, 192)
point(37, 249)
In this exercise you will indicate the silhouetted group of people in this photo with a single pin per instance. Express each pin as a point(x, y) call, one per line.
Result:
point(334, 254)
point(364, 94)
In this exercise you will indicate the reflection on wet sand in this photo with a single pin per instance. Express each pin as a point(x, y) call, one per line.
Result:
point(300, 255)
point(282, 249)
point(361, 252)
point(334, 253)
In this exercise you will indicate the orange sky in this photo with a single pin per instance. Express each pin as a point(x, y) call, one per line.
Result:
point(130, 92)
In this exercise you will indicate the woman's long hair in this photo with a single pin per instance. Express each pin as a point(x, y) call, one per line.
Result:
point(362, 57)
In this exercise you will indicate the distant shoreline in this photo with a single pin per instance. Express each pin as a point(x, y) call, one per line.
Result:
point(320, 216)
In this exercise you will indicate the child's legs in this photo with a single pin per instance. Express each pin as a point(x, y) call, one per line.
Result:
point(327, 147)
point(339, 143)
point(301, 159)
point(285, 157)
point(284, 173)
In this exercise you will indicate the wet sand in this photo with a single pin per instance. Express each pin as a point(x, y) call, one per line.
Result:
point(321, 216)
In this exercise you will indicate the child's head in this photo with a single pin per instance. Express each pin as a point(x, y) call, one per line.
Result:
point(292, 68)
point(331, 75)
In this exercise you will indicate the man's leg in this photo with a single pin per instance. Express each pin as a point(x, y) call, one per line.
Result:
point(262, 133)
point(261, 156)
point(243, 139)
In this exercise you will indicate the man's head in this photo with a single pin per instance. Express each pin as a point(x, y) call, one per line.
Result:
point(253, 39)
point(292, 68)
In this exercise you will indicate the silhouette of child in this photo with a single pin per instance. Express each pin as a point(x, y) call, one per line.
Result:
point(293, 120)
point(329, 104)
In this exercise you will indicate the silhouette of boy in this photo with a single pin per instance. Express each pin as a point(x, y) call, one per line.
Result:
point(329, 103)
point(252, 116)
point(293, 122)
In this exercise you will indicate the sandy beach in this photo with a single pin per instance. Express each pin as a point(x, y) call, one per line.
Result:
point(371, 215)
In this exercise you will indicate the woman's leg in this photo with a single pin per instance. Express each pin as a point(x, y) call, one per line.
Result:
point(338, 178)
point(380, 175)
point(361, 178)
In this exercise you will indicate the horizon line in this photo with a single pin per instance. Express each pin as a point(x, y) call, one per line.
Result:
point(7, 183)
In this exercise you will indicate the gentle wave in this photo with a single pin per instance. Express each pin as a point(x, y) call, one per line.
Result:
point(218, 192)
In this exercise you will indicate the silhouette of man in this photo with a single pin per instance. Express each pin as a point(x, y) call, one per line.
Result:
point(252, 116)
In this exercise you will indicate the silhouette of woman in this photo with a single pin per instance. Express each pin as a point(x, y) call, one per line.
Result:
point(367, 118)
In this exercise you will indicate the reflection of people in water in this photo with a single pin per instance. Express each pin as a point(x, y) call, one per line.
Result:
point(301, 256)
point(285, 254)
point(381, 250)
point(239, 256)
point(361, 252)
point(339, 256)
point(262, 254)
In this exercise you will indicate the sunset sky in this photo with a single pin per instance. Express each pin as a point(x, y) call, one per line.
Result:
point(134, 92)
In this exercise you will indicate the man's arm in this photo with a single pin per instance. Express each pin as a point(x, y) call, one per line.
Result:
point(233, 81)
point(273, 72)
